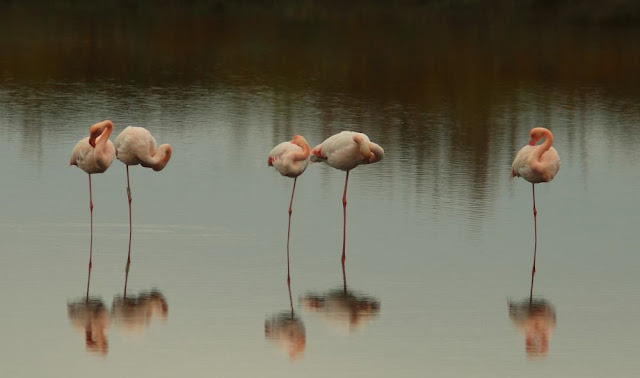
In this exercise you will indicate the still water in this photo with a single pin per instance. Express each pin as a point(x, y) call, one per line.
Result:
point(439, 241)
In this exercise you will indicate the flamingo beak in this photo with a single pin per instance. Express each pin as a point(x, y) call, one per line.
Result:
point(532, 142)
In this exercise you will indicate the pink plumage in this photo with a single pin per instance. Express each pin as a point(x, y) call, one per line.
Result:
point(290, 158)
point(346, 150)
point(94, 153)
point(537, 164)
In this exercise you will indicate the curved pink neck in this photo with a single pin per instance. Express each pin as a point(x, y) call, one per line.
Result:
point(365, 149)
point(159, 158)
point(301, 155)
point(534, 159)
point(103, 131)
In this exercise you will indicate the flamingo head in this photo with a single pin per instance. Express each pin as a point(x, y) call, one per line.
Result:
point(92, 140)
point(536, 134)
point(96, 130)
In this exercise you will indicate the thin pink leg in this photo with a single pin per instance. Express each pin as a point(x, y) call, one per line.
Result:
point(535, 248)
point(344, 218)
point(130, 228)
point(90, 225)
point(289, 228)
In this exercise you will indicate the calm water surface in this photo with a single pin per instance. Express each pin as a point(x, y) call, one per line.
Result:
point(439, 241)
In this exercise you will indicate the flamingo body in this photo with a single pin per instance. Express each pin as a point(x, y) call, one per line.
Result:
point(290, 158)
point(94, 153)
point(537, 164)
point(135, 145)
point(346, 150)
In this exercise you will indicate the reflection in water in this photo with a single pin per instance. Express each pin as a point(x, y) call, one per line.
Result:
point(343, 308)
point(286, 330)
point(536, 318)
point(133, 314)
point(90, 315)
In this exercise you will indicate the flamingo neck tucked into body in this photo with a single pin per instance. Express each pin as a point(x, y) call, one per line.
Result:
point(100, 134)
point(157, 159)
point(536, 156)
point(301, 155)
point(365, 149)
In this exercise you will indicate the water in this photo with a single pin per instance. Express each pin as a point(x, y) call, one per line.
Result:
point(439, 241)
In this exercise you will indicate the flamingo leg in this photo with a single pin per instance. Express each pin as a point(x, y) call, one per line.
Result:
point(344, 279)
point(130, 228)
point(90, 226)
point(290, 298)
point(289, 227)
point(88, 281)
point(126, 279)
point(535, 248)
point(344, 217)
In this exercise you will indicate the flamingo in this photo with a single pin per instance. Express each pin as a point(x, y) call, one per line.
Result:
point(290, 159)
point(537, 320)
point(94, 154)
point(345, 151)
point(536, 164)
point(136, 145)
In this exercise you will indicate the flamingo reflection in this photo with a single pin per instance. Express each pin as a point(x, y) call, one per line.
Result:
point(346, 309)
point(134, 314)
point(536, 319)
point(287, 331)
point(90, 316)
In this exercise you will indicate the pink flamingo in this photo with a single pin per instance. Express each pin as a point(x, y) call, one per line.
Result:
point(290, 159)
point(536, 164)
point(345, 151)
point(136, 145)
point(94, 154)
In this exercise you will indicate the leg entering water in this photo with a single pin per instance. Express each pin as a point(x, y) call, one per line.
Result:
point(535, 248)
point(290, 298)
point(344, 278)
point(344, 218)
point(129, 198)
point(90, 224)
point(289, 228)
point(126, 279)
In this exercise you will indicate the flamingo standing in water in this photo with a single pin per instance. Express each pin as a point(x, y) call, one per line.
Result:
point(136, 145)
point(345, 151)
point(94, 154)
point(536, 164)
point(290, 159)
